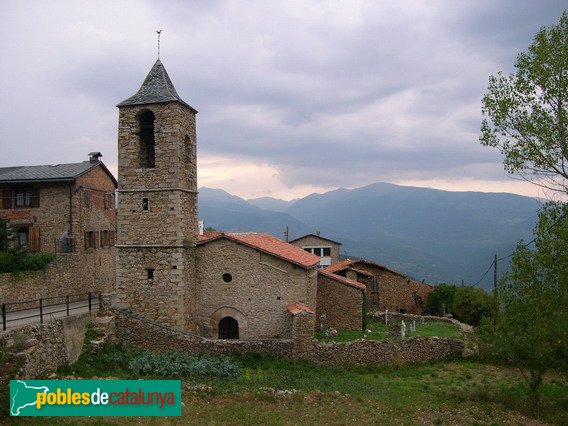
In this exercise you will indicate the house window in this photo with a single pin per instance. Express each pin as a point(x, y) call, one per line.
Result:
point(147, 143)
point(20, 198)
point(319, 251)
point(374, 284)
point(108, 201)
point(90, 239)
point(145, 204)
point(86, 196)
point(23, 199)
point(150, 273)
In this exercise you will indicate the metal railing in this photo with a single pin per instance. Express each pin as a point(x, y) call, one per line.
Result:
point(42, 308)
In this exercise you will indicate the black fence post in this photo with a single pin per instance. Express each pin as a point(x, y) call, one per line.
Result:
point(41, 311)
point(89, 301)
point(4, 317)
point(67, 304)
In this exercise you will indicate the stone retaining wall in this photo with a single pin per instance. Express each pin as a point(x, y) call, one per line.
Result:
point(148, 335)
point(145, 334)
point(44, 347)
point(68, 274)
point(390, 352)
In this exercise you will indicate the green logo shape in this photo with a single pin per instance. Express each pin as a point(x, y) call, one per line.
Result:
point(95, 398)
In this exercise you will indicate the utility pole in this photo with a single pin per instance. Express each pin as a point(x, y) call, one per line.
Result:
point(495, 290)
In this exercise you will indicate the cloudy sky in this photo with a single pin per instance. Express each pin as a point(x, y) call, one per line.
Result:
point(293, 97)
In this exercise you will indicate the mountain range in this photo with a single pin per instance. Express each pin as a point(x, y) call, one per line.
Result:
point(427, 234)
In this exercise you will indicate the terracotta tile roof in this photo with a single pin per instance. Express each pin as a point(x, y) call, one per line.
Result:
point(350, 264)
point(342, 280)
point(268, 244)
point(296, 308)
point(338, 266)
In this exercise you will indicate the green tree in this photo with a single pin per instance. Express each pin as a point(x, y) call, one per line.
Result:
point(531, 327)
point(471, 304)
point(526, 112)
point(441, 300)
point(6, 235)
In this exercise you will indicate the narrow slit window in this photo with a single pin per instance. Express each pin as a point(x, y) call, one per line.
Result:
point(150, 272)
point(147, 142)
point(145, 204)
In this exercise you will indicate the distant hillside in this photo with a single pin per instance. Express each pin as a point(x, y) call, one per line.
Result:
point(225, 212)
point(428, 234)
point(272, 204)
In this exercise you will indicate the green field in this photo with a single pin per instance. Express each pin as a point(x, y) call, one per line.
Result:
point(454, 392)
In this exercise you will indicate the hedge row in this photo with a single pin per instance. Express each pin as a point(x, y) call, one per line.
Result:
point(18, 261)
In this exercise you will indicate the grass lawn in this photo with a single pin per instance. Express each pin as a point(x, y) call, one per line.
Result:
point(379, 331)
point(446, 393)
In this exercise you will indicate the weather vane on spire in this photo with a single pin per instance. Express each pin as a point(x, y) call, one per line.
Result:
point(159, 33)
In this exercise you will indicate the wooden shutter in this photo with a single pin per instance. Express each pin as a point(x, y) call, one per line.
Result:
point(7, 199)
point(34, 198)
point(35, 238)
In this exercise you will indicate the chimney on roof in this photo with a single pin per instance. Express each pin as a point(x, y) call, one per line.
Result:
point(94, 156)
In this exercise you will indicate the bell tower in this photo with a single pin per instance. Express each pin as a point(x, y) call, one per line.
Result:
point(157, 202)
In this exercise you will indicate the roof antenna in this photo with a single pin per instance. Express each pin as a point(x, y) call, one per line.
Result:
point(159, 33)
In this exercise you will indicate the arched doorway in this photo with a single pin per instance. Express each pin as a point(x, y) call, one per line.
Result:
point(228, 328)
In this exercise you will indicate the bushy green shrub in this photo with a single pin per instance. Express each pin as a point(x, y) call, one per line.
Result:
point(19, 261)
point(7, 261)
point(34, 261)
point(182, 364)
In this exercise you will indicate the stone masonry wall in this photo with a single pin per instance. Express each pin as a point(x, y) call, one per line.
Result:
point(158, 235)
point(395, 291)
point(261, 288)
point(145, 334)
point(48, 346)
point(386, 352)
point(162, 298)
point(62, 277)
point(341, 304)
point(148, 335)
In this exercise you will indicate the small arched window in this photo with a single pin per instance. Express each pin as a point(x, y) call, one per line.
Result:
point(147, 143)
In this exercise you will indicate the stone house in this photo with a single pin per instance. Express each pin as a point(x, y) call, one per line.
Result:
point(221, 285)
point(386, 289)
point(67, 210)
point(45, 202)
point(326, 249)
point(340, 300)
point(246, 282)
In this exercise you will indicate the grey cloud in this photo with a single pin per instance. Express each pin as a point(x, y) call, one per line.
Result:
point(326, 93)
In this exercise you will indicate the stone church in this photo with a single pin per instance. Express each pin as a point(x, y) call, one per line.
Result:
point(221, 285)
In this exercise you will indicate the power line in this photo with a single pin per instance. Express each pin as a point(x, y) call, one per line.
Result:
point(491, 265)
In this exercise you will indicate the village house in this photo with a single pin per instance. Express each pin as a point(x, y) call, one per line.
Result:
point(67, 210)
point(61, 207)
point(386, 289)
point(326, 249)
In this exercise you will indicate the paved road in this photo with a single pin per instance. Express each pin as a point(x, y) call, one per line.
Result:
point(31, 316)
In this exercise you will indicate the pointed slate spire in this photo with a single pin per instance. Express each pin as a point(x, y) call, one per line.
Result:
point(156, 89)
